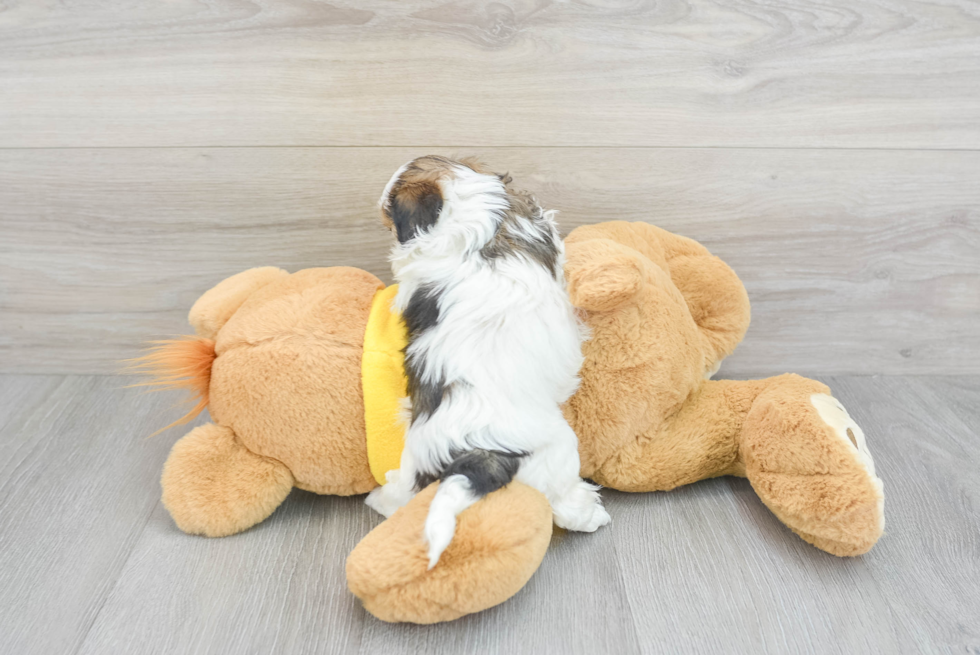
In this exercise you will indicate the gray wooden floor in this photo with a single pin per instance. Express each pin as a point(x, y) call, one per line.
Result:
point(90, 562)
point(828, 150)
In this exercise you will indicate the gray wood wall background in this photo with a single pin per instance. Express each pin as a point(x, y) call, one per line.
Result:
point(830, 152)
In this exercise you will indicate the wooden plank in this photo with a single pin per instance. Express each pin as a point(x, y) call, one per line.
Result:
point(20, 396)
point(705, 567)
point(78, 480)
point(855, 261)
point(713, 569)
point(864, 73)
point(277, 588)
point(927, 566)
point(959, 395)
point(575, 603)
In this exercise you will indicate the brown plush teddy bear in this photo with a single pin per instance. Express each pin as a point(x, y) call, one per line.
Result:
point(296, 370)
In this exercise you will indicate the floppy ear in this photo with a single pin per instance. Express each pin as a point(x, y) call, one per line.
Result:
point(602, 274)
point(413, 207)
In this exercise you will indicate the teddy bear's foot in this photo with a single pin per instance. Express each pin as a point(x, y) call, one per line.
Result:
point(214, 486)
point(809, 462)
point(498, 544)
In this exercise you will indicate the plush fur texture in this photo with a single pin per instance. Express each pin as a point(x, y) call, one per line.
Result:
point(215, 486)
point(494, 347)
point(663, 313)
point(216, 306)
point(498, 545)
point(286, 399)
point(287, 376)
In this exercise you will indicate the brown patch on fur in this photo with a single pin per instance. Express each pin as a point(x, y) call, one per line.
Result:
point(420, 176)
point(183, 363)
point(476, 165)
point(415, 199)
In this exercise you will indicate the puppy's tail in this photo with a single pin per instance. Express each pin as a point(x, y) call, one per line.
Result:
point(469, 477)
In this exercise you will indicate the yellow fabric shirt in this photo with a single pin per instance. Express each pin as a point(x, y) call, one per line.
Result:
point(384, 383)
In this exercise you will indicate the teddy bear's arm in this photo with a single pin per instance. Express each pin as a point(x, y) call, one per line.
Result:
point(215, 307)
point(715, 296)
point(602, 274)
point(716, 299)
point(604, 267)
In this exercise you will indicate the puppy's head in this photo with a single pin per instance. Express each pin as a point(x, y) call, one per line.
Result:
point(415, 196)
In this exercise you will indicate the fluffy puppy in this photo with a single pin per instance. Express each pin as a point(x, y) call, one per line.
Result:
point(494, 347)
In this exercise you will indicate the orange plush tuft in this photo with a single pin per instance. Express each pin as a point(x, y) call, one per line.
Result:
point(183, 363)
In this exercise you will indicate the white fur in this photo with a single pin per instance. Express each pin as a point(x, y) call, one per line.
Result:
point(509, 342)
point(454, 495)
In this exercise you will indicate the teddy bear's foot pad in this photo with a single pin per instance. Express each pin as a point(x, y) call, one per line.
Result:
point(810, 464)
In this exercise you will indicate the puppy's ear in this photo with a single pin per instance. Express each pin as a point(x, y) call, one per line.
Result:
point(602, 274)
point(412, 207)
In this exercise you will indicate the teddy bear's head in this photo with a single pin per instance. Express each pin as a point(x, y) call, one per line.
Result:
point(662, 312)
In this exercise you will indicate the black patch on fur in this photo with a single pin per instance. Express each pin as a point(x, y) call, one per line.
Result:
point(511, 243)
point(422, 311)
point(486, 470)
point(412, 214)
point(426, 395)
point(421, 314)
point(423, 480)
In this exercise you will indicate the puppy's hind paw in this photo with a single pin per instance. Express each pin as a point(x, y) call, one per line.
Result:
point(383, 501)
point(600, 517)
point(581, 510)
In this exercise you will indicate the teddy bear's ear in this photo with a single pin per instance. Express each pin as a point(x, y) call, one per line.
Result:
point(602, 274)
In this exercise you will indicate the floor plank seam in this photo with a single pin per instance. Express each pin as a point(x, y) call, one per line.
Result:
point(626, 596)
point(118, 577)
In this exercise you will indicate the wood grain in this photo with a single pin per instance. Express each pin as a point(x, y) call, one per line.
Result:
point(864, 73)
point(278, 588)
point(855, 261)
point(90, 563)
point(927, 567)
point(78, 481)
point(713, 569)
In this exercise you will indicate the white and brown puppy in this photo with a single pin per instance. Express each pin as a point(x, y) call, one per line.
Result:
point(494, 347)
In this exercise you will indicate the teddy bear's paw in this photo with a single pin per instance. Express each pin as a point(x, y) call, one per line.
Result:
point(215, 486)
point(809, 462)
point(847, 430)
